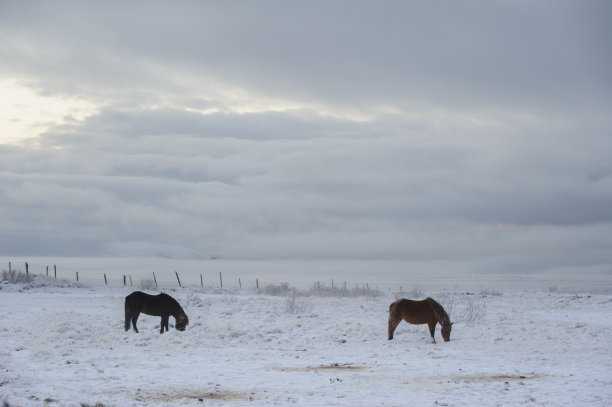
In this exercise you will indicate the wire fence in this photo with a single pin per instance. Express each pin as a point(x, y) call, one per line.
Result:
point(164, 279)
point(115, 279)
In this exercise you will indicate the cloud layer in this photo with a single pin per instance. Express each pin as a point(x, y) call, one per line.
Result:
point(325, 130)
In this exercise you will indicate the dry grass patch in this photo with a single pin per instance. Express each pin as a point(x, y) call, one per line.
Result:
point(190, 394)
point(478, 378)
point(494, 378)
point(320, 368)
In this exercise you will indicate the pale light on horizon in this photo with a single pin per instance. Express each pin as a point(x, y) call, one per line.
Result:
point(25, 113)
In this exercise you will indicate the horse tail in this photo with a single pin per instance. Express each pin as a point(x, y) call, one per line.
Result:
point(393, 310)
point(394, 319)
point(439, 311)
point(128, 316)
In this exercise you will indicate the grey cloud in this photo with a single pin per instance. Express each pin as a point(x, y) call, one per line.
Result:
point(478, 131)
point(519, 55)
point(290, 185)
point(174, 122)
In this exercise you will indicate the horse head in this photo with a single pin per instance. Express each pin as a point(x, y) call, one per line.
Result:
point(181, 322)
point(446, 330)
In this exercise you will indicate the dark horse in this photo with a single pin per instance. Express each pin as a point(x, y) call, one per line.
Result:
point(427, 311)
point(161, 305)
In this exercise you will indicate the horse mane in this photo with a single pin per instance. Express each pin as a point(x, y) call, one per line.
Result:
point(177, 309)
point(438, 311)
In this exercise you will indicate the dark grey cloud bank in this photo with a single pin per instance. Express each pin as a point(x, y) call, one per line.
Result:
point(393, 130)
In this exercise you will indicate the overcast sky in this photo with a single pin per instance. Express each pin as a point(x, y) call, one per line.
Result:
point(421, 131)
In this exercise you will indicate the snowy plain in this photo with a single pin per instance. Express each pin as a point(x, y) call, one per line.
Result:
point(64, 344)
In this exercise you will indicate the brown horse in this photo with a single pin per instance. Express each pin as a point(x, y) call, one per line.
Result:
point(161, 305)
point(427, 311)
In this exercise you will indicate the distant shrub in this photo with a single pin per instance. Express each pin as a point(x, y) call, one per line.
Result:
point(491, 292)
point(278, 290)
point(16, 277)
point(193, 300)
point(415, 294)
point(295, 304)
point(463, 308)
point(474, 310)
point(320, 290)
point(148, 284)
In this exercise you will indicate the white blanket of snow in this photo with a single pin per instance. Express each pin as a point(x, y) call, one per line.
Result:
point(66, 346)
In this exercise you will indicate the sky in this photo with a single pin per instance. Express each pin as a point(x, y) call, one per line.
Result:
point(417, 131)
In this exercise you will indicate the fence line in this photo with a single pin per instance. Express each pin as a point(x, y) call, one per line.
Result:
point(157, 279)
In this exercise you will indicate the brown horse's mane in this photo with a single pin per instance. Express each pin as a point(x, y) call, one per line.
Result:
point(438, 311)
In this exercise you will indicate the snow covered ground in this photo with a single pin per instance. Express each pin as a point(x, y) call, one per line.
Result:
point(64, 345)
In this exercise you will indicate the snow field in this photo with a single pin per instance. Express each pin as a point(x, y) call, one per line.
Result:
point(66, 346)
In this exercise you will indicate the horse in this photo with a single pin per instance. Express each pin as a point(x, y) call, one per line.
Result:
point(161, 305)
point(427, 311)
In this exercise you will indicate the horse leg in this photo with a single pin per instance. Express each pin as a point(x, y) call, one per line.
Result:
point(432, 330)
point(393, 323)
point(134, 319)
point(164, 323)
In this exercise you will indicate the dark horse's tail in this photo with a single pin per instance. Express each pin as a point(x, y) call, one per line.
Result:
point(128, 316)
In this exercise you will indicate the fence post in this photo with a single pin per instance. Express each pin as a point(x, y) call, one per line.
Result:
point(124, 280)
point(77, 273)
point(154, 279)
point(201, 281)
point(257, 282)
point(47, 271)
point(239, 282)
point(55, 271)
point(131, 285)
point(105, 281)
point(27, 269)
point(221, 279)
point(177, 277)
